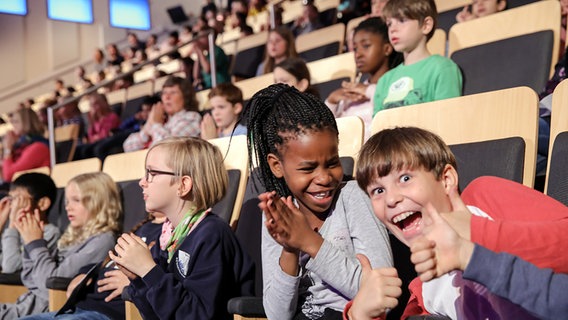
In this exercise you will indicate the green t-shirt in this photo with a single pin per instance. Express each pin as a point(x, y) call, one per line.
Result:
point(431, 79)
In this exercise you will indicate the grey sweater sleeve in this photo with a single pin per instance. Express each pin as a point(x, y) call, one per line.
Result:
point(12, 245)
point(539, 291)
point(11, 251)
point(41, 264)
point(350, 229)
point(339, 267)
point(280, 290)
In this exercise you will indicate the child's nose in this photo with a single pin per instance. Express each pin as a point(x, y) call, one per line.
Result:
point(324, 177)
point(393, 198)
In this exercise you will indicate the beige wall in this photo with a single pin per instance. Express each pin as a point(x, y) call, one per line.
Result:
point(35, 50)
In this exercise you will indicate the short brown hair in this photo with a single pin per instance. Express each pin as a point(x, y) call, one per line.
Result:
point(399, 148)
point(228, 91)
point(189, 100)
point(414, 10)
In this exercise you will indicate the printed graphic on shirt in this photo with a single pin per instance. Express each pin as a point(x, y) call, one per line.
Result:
point(182, 262)
point(402, 93)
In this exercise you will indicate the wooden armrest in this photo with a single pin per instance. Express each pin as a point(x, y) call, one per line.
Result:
point(57, 292)
point(131, 311)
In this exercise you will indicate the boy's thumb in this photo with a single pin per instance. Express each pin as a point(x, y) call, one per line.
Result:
point(430, 215)
point(365, 263)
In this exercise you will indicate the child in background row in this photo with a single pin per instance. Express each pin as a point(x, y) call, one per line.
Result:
point(202, 266)
point(422, 77)
point(481, 8)
point(313, 223)
point(405, 171)
point(93, 207)
point(374, 56)
point(294, 72)
point(28, 192)
point(202, 68)
point(280, 45)
point(226, 102)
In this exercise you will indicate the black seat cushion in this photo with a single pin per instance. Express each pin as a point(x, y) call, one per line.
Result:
point(247, 61)
point(133, 206)
point(558, 171)
point(224, 208)
point(503, 158)
point(518, 61)
point(325, 51)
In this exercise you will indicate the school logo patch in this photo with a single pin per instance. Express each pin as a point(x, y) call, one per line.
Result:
point(182, 262)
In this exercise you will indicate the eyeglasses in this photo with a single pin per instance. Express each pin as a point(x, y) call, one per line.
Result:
point(150, 174)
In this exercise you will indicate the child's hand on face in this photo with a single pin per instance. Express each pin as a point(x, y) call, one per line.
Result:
point(378, 291)
point(29, 226)
point(133, 254)
point(440, 250)
point(208, 128)
point(464, 15)
point(114, 281)
point(157, 115)
point(288, 225)
point(5, 208)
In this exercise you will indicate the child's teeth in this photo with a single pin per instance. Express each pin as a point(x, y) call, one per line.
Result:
point(402, 216)
point(321, 195)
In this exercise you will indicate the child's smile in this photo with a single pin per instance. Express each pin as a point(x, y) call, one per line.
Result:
point(310, 165)
point(399, 198)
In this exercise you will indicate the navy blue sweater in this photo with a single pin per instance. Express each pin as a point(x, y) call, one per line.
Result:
point(95, 300)
point(207, 270)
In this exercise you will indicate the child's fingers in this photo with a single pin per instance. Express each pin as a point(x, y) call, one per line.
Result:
point(138, 240)
point(388, 272)
point(428, 275)
point(422, 243)
point(390, 302)
point(424, 263)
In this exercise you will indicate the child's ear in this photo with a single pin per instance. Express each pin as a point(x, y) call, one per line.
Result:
point(387, 49)
point(501, 5)
point(450, 178)
point(238, 107)
point(43, 204)
point(275, 165)
point(185, 186)
point(427, 25)
point(303, 85)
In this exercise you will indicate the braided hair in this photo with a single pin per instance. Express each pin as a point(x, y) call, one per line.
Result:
point(275, 115)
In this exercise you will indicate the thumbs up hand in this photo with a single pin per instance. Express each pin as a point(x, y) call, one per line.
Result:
point(378, 291)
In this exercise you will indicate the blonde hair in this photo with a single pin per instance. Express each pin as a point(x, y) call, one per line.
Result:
point(201, 161)
point(100, 196)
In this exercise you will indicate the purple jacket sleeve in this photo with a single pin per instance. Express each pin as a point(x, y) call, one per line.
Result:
point(539, 291)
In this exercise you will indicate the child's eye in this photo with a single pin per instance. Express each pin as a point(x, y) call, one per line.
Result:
point(376, 191)
point(404, 178)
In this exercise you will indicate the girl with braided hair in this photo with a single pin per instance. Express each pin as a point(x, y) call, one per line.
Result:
point(314, 223)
